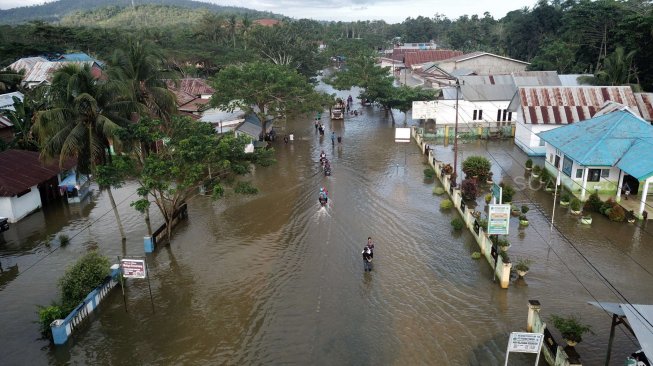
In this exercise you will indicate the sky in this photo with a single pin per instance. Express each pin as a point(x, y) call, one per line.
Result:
point(351, 10)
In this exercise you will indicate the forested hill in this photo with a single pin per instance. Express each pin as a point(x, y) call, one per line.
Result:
point(57, 10)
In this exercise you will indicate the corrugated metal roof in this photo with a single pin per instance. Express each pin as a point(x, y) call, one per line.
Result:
point(416, 57)
point(572, 79)
point(487, 92)
point(26, 63)
point(616, 139)
point(21, 169)
point(195, 105)
point(564, 105)
point(7, 100)
point(536, 78)
point(469, 56)
point(42, 71)
point(645, 105)
point(192, 86)
point(500, 79)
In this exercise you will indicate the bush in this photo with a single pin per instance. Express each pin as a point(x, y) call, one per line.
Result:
point(529, 163)
point(80, 279)
point(545, 176)
point(483, 223)
point(570, 327)
point(457, 223)
point(565, 197)
point(446, 204)
point(504, 257)
point(438, 190)
point(524, 209)
point(537, 170)
point(594, 203)
point(575, 204)
point(48, 314)
point(476, 255)
point(245, 188)
point(507, 192)
point(429, 173)
point(488, 198)
point(476, 166)
point(63, 240)
point(469, 189)
point(617, 213)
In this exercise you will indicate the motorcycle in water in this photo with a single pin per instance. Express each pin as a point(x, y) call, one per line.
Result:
point(323, 198)
point(327, 169)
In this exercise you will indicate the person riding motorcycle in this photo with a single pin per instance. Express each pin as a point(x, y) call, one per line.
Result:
point(323, 196)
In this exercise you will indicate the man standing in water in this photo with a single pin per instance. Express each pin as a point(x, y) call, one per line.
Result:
point(367, 259)
point(370, 246)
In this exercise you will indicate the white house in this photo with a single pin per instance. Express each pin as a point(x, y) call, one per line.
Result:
point(25, 183)
point(608, 154)
point(542, 108)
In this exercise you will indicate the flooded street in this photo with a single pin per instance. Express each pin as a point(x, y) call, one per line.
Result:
point(276, 279)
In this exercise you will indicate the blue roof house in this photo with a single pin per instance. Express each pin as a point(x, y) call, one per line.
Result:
point(608, 154)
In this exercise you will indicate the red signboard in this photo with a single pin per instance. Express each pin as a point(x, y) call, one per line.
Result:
point(133, 268)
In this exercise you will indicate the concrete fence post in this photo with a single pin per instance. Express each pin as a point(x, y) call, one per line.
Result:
point(148, 244)
point(533, 311)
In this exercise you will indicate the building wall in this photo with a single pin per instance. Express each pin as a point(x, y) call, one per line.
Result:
point(526, 136)
point(446, 113)
point(15, 208)
point(485, 65)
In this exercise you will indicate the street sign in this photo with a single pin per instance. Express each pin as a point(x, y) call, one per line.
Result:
point(497, 193)
point(402, 134)
point(424, 110)
point(522, 342)
point(133, 268)
point(498, 220)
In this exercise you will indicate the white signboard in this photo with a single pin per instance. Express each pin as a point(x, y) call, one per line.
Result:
point(525, 342)
point(522, 342)
point(402, 134)
point(424, 110)
point(133, 268)
point(498, 220)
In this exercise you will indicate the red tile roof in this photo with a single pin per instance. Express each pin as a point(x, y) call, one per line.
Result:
point(195, 105)
point(192, 86)
point(565, 105)
point(21, 169)
point(411, 57)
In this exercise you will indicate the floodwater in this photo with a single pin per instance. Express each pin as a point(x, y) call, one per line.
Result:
point(276, 279)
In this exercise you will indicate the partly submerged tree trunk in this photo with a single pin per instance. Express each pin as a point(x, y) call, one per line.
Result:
point(115, 212)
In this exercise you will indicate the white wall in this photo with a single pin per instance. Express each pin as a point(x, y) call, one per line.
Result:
point(526, 136)
point(445, 112)
point(485, 65)
point(15, 208)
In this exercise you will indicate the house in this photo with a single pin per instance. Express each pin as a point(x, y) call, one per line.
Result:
point(607, 154)
point(39, 70)
point(26, 183)
point(413, 58)
point(252, 126)
point(6, 126)
point(192, 94)
point(475, 63)
point(223, 121)
point(645, 105)
point(266, 22)
point(542, 108)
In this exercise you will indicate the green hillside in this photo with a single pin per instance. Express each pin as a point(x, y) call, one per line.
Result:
point(59, 10)
point(137, 17)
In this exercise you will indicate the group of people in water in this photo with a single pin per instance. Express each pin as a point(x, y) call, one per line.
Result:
point(350, 105)
point(326, 166)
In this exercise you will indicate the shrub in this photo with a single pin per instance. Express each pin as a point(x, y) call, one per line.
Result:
point(476, 255)
point(446, 204)
point(565, 197)
point(483, 223)
point(245, 188)
point(523, 264)
point(438, 190)
point(48, 314)
point(469, 189)
point(545, 176)
point(429, 173)
point(529, 163)
point(523, 218)
point(617, 213)
point(504, 257)
point(524, 209)
point(476, 166)
point(537, 170)
point(457, 223)
point(488, 198)
point(575, 204)
point(507, 192)
point(80, 279)
point(63, 240)
point(594, 203)
point(570, 327)
point(447, 169)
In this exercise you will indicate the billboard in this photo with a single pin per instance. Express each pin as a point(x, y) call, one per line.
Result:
point(424, 110)
point(402, 134)
point(133, 268)
point(498, 220)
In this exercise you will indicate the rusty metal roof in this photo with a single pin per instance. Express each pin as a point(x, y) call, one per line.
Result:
point(565, 105)
point(21, 169)
point(416, 57)
point(469, 56)
point(645, 105)
point(42, 71)
point(192, 86)
point(26, 63)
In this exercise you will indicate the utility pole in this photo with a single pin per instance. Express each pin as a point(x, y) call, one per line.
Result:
point(455, 139)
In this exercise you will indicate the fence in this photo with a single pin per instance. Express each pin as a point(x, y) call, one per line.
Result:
point(63, 328)
point(158, 235)
point(554, 354)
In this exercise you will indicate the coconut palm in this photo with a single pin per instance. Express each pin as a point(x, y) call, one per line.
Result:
point(84, 116)
point(10, 80)
point(21, 118)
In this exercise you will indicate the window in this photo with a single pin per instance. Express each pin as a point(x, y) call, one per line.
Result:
point(605, 173)
point(567, 164)
point(509, 116)
point(480, 114)
point(579, 173)
point(505, 113)
point(557, 162)
point(594, 175)
point(499, 115)
point(474, 115)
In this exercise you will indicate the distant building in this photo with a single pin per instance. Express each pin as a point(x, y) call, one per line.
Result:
point(39, 71)
point(6, 126)
point(192, 94)
point(266, 22)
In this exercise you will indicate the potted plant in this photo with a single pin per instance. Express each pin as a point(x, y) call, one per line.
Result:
point(523, 220)
point(505, 258)
point(503, 243)
point(549, 186)
point(488, 179)
point(514, 210)
point(476, 167)
point(506, 193)
point(564, 199)
point(544, 176)
point(587, 220)
point(488, 198)
point(537, 170)
point(529, 164)
point(571, 328)
point(522, 266)
point(630, 216)
point(469, 189)
point(483, 224)
point(575, 206)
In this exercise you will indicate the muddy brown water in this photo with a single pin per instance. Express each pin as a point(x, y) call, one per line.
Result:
point(275, 279)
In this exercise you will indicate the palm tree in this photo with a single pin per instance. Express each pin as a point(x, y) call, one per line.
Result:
point(84, 115)
point(21, 117)
point(617, 69)
point(10, 80)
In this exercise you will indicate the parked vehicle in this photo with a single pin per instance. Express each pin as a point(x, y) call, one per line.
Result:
point(338, 110)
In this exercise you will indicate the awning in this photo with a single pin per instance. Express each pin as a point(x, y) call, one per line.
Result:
point(640, 318)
